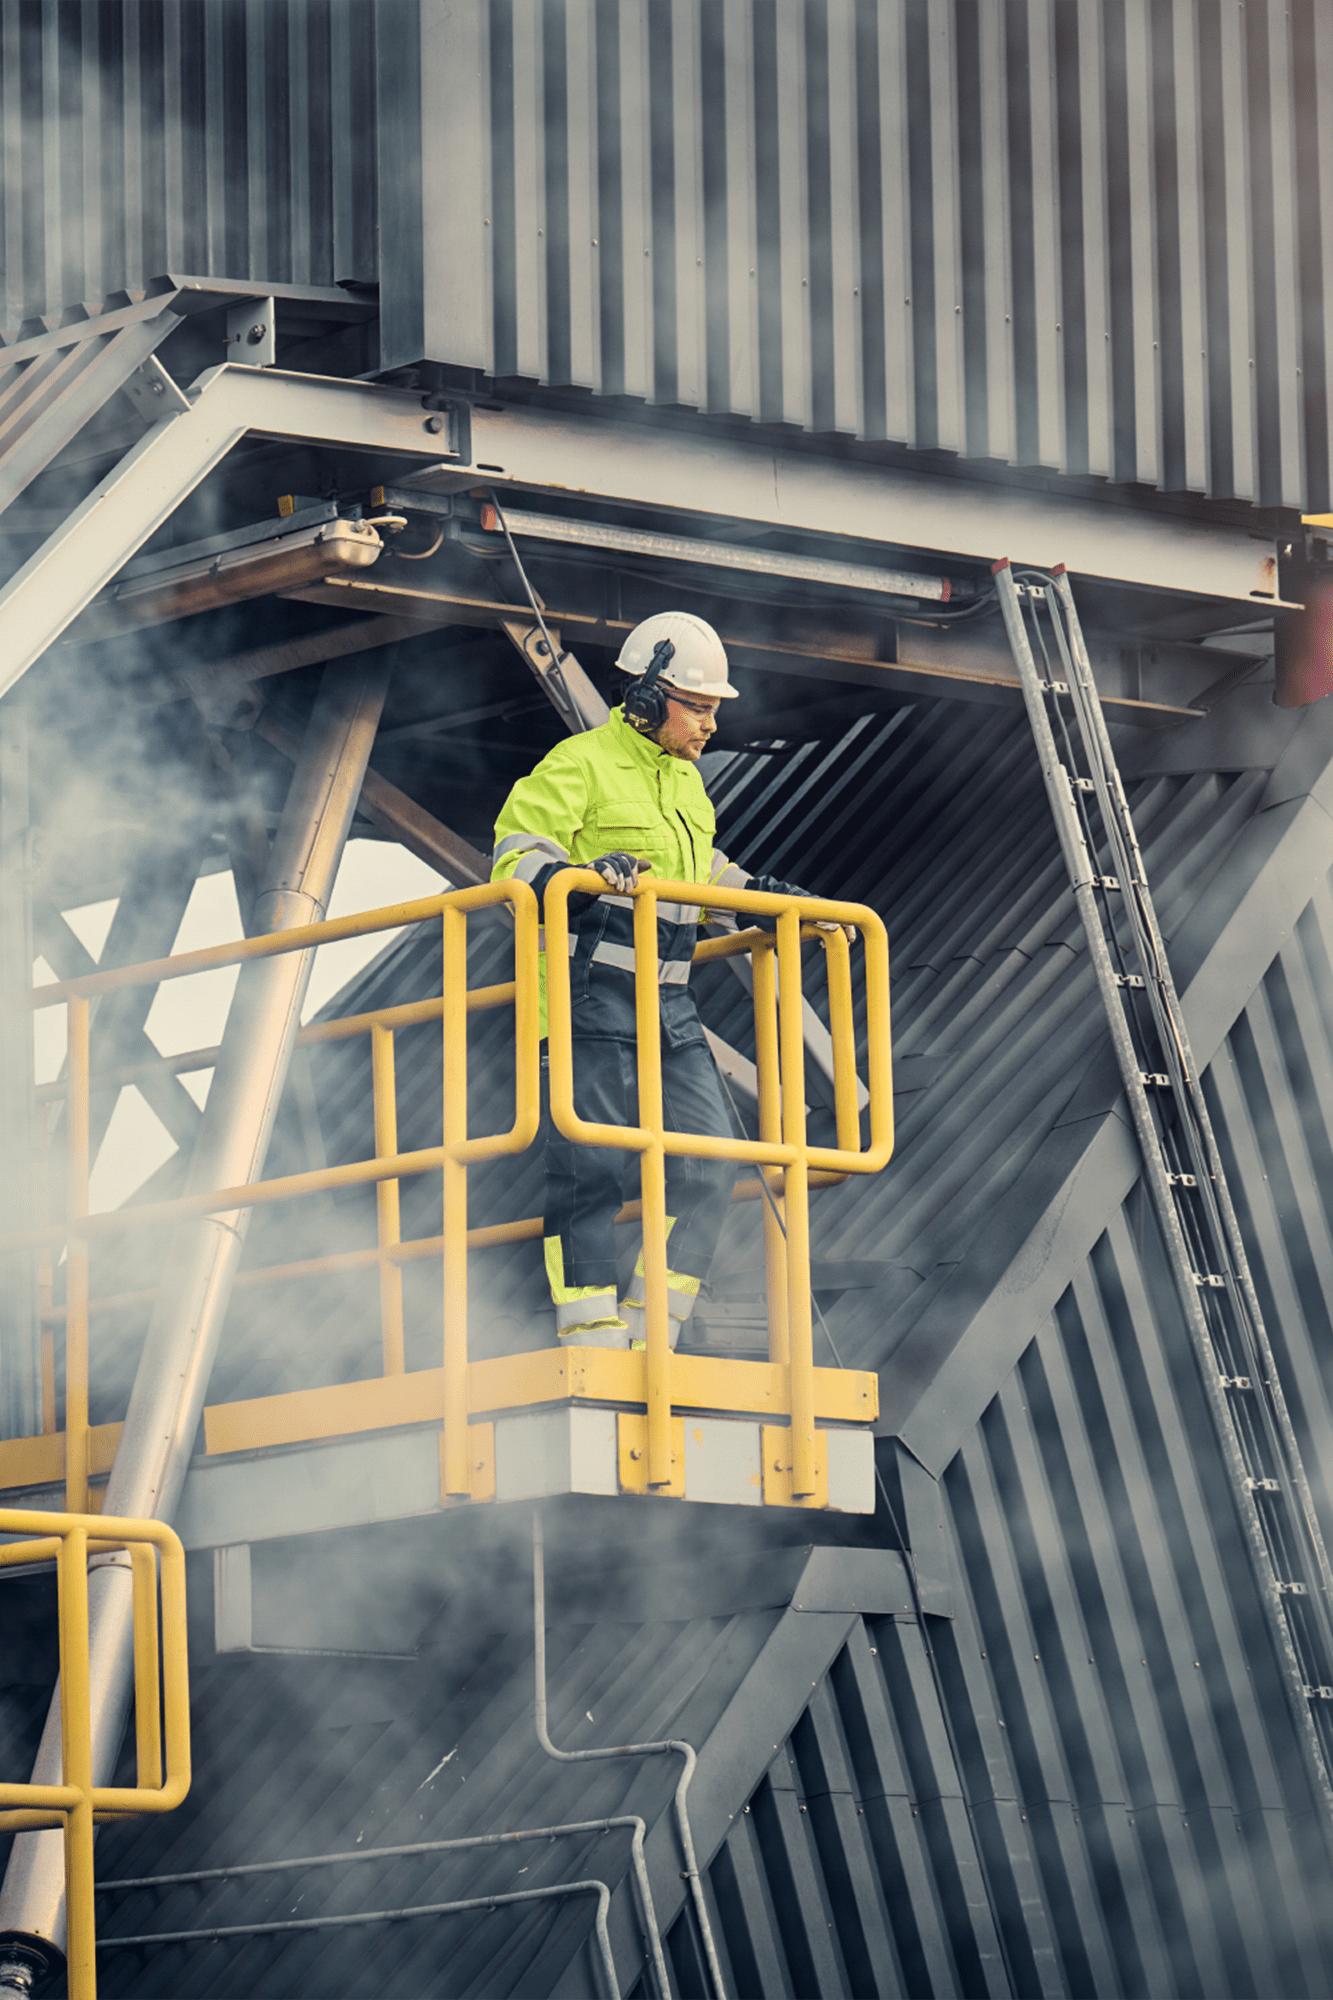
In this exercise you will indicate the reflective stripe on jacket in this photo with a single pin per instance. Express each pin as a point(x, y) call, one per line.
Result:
point(611, 790)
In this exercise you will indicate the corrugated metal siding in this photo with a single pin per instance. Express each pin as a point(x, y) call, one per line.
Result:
point(1094, 236)
point(218, 138)
point(1091, 237)
point(940, 822)
point(1125, 1656)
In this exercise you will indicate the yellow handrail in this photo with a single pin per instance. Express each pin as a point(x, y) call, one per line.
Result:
point(780, 1051)
point(786, 1164)
point(387, 1166)
point(76, 1804)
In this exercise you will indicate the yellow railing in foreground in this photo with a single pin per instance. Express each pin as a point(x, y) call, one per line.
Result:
point(451, 1157)
point(784, 1159)
point(76, 1804)
point(780, 1051)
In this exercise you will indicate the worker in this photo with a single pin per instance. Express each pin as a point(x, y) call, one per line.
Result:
point(624, 799)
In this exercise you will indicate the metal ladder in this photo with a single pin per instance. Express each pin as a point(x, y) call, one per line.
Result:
point(1180, 1157)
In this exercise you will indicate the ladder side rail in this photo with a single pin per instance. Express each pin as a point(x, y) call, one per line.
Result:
point(1082, 871)
point(1196, 1123)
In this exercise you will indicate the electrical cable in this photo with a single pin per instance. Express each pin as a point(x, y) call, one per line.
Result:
point(419, 555)
point(574, 712)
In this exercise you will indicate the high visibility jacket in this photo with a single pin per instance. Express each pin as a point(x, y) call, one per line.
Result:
point(611, 790)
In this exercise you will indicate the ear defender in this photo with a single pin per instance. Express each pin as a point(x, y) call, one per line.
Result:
point(645, 703)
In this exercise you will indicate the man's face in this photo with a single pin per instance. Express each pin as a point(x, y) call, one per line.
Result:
point(691, 720)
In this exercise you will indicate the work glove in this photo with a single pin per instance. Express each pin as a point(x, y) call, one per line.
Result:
point(769, 885)
point(620, 871)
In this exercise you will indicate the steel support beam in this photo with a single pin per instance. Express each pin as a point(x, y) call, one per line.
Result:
point(678, 471)
point(51, 386)
point(169, 1387)
point(149, 483)
point(20, 1326)
point(696, 472)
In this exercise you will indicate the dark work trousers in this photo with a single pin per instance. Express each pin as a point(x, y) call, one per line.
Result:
point(584, 1183)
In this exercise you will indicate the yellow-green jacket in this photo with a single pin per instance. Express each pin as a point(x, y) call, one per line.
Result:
point(612, 790)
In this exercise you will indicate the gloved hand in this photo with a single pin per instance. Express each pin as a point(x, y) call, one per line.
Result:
point(769, 885)
point(620, 871)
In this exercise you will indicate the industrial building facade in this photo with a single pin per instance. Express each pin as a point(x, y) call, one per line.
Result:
point(368, 369)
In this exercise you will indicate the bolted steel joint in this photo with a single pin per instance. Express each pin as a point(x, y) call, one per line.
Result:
point(26, 1963)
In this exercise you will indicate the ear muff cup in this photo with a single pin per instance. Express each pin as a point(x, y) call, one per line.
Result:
point(645, 703)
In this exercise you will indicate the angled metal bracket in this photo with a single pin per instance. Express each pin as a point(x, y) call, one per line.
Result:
point(166, 465)
point(563, 681)
point(153, 392)
point(51, 386)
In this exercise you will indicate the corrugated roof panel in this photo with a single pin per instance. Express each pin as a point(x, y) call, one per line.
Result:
point(1082, 239)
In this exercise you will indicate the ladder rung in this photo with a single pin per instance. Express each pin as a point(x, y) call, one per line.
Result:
point(1261, 1486)
point(1233, 1382)
point(1290, 1589)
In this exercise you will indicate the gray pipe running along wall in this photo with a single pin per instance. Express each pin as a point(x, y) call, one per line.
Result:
point(172, 1378)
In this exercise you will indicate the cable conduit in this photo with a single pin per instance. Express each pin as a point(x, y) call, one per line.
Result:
point(647, 1910)
point(668, 1746)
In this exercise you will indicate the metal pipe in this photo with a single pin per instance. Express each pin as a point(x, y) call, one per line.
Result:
point(668, 1745)
point(20, 1337)
point(638, 1830)
point(169, 1387)
point(607, 1964)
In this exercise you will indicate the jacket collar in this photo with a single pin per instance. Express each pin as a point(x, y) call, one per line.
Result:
point(636, 744)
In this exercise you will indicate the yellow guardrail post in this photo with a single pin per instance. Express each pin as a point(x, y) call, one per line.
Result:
point(767, 1061)
point(454, 1023)
point(384, 1099)
point(652, 1172)
point(76, 1803)
point(782, 1152)
point(800, 1340)
point(842, 1031)
point(76, 1261)
point(76, 1751)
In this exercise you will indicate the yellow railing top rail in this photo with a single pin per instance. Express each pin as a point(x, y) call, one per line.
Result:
point(301, 937)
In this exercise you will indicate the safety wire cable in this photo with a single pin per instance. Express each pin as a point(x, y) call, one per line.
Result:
point(909, 1564)
point(573, 713)
point(1182, 1163)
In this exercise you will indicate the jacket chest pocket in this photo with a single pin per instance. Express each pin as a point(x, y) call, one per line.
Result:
point(632, 829)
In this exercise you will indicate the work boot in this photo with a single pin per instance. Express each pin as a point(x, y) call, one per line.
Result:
point(636, 1315)
point(595, 1333)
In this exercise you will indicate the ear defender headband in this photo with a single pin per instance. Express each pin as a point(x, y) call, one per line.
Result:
point(645, 703)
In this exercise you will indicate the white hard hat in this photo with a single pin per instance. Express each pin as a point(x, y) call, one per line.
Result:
point(699, 663)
